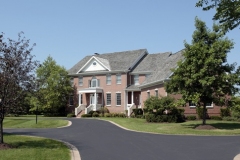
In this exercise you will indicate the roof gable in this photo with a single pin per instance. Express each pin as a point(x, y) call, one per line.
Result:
point(95, 64)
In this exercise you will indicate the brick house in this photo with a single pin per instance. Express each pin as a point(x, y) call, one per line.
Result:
point(124, 80)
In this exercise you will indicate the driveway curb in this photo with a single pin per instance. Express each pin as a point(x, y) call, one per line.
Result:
point(75, 155)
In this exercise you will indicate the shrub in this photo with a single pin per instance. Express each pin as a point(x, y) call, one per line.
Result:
point(71, 115)
point(138, 111)
point(150, 118)
point(225, 112)
point(86, 115)
point(107, 115)
point(191, 117)
point(215, 117)
point(139, 116)
point(95, 114)
point(229, 118)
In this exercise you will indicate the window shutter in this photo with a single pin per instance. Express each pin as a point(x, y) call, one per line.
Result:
point(89, 83)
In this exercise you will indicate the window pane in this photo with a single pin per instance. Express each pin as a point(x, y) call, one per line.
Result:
point(156, 91)
point(108, 79)
point(118, 98)
point(136, 79)
point(80, 81)
point(108, 99)
point(192, 104)
point(118, 77)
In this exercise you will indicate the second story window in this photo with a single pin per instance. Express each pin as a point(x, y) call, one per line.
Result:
point(94, 82)
point(156, 92)
point(136, 79)
point(80, 81)
point(148, 94)
point(118, 78)
point(108, 79)
point(72, 81)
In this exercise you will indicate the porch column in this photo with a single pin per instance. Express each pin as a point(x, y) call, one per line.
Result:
point(102, 99)
point(95, 100)
point(79, 99)
point(132, 97)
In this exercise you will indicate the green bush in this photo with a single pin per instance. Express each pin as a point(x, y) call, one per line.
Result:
point(215, 117)
point(150, 118)
point(86, 115)
point(225, 112)
point(12, 115)
point(229, 119)
point(95, 114)
point(138, 111)
point(107, 115)
point(191, 117)
point(71, 115)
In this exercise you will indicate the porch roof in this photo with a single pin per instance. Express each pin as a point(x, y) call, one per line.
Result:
point(91, 90)
point(133, 88)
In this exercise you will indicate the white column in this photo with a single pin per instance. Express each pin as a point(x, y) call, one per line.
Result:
point(102, 99)
point(95, 100)
point(132, 97)
point(79, 99)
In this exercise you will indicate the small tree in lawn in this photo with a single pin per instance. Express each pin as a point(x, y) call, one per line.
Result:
point(16, 75)
point(204, 75)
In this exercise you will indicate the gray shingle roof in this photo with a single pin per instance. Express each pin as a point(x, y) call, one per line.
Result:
point(117, 61)
point(164, 66)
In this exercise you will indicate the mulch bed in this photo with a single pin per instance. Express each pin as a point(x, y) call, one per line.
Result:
point(5, 146)
point(206, 127)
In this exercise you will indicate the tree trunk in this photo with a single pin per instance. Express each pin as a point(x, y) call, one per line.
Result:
point(204, 114)
point(1, 130)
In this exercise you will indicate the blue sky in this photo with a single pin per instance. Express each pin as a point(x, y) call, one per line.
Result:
point(68, 30)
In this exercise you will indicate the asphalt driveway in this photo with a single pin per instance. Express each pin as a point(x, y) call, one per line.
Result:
point(101, 140)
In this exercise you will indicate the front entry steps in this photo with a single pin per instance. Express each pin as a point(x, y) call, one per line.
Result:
point(80, 114)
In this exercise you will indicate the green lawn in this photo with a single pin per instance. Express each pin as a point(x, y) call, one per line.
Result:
point(28, 122)
point(33, 148)
point(186, 128)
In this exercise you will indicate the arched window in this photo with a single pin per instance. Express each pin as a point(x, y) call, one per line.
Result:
point(94, 82)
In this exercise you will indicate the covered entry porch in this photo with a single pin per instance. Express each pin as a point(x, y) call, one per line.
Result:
point(90, 99)
point(133, 99)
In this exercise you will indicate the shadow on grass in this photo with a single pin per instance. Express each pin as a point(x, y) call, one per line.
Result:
point(220, 125)
point(32, 142)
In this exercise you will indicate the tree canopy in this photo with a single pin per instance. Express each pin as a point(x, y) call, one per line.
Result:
point(227, 11)
point(54, 88)
point(204, 76)
point(17, 76)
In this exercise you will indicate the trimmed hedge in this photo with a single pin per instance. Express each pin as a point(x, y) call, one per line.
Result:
point(71, 115)
point(86, 115)
point(215, 117)
point(138, 111)
point(95, 114)
point(162, 118)
point(191, 117)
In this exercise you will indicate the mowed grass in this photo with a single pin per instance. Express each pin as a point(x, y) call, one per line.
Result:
point(33, 148)
point(21, 122)
point(186, 128)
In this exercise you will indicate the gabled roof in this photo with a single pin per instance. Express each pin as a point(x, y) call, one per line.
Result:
point(117, 61)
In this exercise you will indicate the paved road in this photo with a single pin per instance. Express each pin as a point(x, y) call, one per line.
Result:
point(101, 140)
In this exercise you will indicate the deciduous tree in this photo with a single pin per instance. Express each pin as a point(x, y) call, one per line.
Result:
point(204, 76)
point(17, 76)
point(54, 88)
point(227, 11)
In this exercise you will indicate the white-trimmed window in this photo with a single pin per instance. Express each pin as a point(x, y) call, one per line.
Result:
point(148, 94)
point(108, 99)
point(118, 78)
point(156, 92)
point(118, 99)
point(136, 79)
point(147, 75)
point(192, 104)
point(80, 81)
point(108, 79)
point(94, 82)
point(209, 105)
